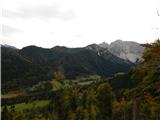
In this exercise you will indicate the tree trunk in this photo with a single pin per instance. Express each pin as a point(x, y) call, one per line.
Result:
point(136, 109)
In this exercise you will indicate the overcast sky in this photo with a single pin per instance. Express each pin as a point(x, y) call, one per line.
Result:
point(77, 23)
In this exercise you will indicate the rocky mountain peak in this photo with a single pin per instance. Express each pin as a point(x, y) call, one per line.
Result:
point(104, 45)
point(127, 50)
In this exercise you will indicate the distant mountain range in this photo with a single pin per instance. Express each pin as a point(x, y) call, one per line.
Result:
point(8, 46)
point(126, 50)
point(32, 64)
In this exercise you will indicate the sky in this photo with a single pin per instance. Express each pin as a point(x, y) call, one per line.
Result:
point(77, 23)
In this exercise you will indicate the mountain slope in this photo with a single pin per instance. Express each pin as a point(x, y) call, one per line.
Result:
point(89, 62)
point(32, 64)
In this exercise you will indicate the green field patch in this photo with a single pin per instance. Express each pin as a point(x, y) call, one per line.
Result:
point(12, 94)
point(85, 83)
point(56, 85)
point(30, 105)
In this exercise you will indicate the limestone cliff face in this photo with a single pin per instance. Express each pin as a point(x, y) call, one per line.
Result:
point(126, 50)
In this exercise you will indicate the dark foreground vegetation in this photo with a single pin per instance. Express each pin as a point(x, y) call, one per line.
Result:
point(131, 96)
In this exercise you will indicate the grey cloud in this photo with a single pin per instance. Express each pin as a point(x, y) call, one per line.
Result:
point(67, 15)
point(8, 14)
point(78, 35)
point(8, 30)
point(51, 32)
point(156, 28)
point(41, 11)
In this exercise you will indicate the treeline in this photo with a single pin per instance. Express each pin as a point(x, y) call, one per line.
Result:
point(146, 91)
point(96, 102)
point(28, 98)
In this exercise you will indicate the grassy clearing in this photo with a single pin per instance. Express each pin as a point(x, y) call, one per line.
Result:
point(8, 95)
point(12, 94)
point(85, 83)
point(22, 106)
point(34, 104)
point(56, 85)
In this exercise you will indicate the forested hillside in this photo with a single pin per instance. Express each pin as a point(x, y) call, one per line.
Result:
point(30, 65)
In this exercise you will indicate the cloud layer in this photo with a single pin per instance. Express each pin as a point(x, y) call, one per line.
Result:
point(77, 23)
point(39, 12)
point(8, 30)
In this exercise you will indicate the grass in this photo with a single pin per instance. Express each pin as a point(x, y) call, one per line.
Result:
point(85, 83)
point(88, 78)
point(12, 94)
point(8, 96)
point(30, 105)
point(56, 85)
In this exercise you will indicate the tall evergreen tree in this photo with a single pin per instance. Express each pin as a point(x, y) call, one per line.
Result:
point(104, 102)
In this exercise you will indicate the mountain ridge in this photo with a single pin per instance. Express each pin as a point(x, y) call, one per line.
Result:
point(31, 64)
point(127, 50)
